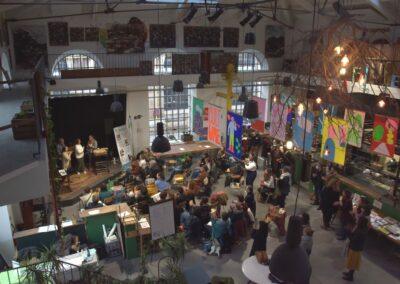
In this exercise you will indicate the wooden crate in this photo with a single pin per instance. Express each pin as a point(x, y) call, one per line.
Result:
point(24, 128)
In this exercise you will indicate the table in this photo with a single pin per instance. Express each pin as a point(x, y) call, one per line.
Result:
point(189, 148)
point(255, 271)
point(78, 259)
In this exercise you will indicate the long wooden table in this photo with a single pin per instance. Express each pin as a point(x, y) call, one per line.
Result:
point(190, 148)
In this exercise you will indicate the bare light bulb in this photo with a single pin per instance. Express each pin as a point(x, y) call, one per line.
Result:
point(318, 100)
point(300, 109)
point(345, 60)
point(342, 71)
point(330, 88)
point(381, 103)
point(338, 49)
point(289, 144)
point(275, 99)
point(325, 111)
point(326, 152)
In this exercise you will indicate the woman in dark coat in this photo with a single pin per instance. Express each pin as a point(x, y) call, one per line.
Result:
point(260, 240)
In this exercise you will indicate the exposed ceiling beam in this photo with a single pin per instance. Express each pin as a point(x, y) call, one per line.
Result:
point(378, 6)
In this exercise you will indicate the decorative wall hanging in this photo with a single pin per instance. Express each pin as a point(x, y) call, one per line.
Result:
point(30, 43)
point(220, 60)
point(234, 131)
point(279, 114)
point(162, 36)
point(92, 34)
point(76, 34)
point(185, 63)
point(58, 33)
point(214, 124)
point(384, 135)
point(355, 123)
point(275, 41)
point(198, 115)
point(128, 38)
point(201, 36)
point(231, 37)
point(298, 130)
point(334, 140)
point(250, 39)
point(259, 124)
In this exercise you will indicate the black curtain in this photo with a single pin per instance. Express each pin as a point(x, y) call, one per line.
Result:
point(78, 117)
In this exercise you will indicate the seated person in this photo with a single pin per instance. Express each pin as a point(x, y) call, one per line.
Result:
point(187, 163)
point(96, 203)
point(153, 169)
point(235, 174)
point(137, 172)
point(142, 162)
point(104, 193)
point(161, 184)
point(222, 161)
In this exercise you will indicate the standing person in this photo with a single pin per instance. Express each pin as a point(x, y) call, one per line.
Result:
point(250, 200)
point(259, 247)
point(218, 230)
point(346, 216)
point(251, 170)
point(356, 245)
point(284, 183)
point(318, 183)
point(60, 147)
point(66, 159)
point(90, 147)
point(267, 186)
point(329, 200)
point(79, 155)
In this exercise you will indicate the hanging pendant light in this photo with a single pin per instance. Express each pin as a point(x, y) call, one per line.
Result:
point(99, 89)
point(243, 96)
point(160, 144)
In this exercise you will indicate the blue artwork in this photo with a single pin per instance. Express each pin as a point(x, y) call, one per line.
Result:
point(298, 131)
point(234, 129)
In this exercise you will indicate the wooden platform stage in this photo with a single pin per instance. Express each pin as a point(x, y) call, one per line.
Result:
point(79, 184)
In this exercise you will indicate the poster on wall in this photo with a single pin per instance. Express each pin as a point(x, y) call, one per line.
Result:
point(58, 33)
point(275, 41)
point(123, 145)
point(355, 126)
point(198, 119)
point(279, 114)
point(234, 125)
point(162, 219)
point(334, 140)
point(214, 121)
point(298, 131)
point(259, 124)
point(384, 135)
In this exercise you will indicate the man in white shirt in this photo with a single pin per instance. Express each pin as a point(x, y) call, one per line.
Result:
point(251, 170)
point(79, 155)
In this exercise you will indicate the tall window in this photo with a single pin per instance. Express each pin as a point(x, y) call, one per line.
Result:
point(75, 59)
point(170, 108)
point(163, 63)
point(251, 60)
point(255, 89)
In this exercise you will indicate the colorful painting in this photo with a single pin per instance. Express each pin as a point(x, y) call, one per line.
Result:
point(198, 114)
point(275, 41)
point(334, 140)
point(298, 131)
point(214, 121)
point(259, 124)
point(355, 123)
point(162, 36)
point(279, 114)
point(384, 135)
point(231, 37)
point(201, 36)
point(234, 131)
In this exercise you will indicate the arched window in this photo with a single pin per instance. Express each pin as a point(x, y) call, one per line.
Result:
point(163, 63)
point(250, 60)
point(75, 59)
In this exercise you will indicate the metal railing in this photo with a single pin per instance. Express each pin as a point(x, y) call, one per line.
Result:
point(46, 272)
point(75, 63)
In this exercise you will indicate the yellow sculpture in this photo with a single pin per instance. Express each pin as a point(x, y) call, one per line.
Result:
point(229, 76)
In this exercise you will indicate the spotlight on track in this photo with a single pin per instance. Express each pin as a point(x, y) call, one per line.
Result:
point(246, 19)
point(190, 15)
point(218, 12)
point(255, 20)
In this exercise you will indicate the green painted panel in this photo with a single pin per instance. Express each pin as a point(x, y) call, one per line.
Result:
point(94, 229)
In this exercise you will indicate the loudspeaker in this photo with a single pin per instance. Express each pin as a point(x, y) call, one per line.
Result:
point(178, 86)
point(160, 129)
point(250, 38)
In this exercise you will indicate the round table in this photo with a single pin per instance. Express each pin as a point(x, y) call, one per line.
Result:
point(255, 271)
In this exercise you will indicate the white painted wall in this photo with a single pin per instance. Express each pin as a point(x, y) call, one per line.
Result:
point(7, 248)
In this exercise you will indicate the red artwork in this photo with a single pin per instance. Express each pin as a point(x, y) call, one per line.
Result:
point(214, 120)
point(384, 136)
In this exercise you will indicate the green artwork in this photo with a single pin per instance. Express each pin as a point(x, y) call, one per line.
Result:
point(355, 122)
point(378, 132)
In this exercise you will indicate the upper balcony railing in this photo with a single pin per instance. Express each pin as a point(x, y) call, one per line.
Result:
point(82, 64)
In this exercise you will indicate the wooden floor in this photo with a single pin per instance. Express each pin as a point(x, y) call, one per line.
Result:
point(78, 184)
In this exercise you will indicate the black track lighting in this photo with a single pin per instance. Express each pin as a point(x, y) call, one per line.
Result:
point(218, 12)
point(255, 20)
point(190, 15)
point(246, 19)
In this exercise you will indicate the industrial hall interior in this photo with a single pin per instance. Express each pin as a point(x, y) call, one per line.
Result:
point(199, 141)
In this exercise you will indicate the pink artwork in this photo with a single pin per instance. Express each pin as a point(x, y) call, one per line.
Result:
point(258, 124)
point(279, 115)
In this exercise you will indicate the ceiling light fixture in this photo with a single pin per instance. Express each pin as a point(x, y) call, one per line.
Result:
point(255, 20)
point(218, 12)
point(190, 15)
point(246, 19)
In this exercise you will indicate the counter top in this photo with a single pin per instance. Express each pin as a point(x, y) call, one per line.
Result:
point(189, 148)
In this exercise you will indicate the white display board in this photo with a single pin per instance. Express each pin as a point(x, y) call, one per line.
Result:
point(162, 220)
point(123, 145)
